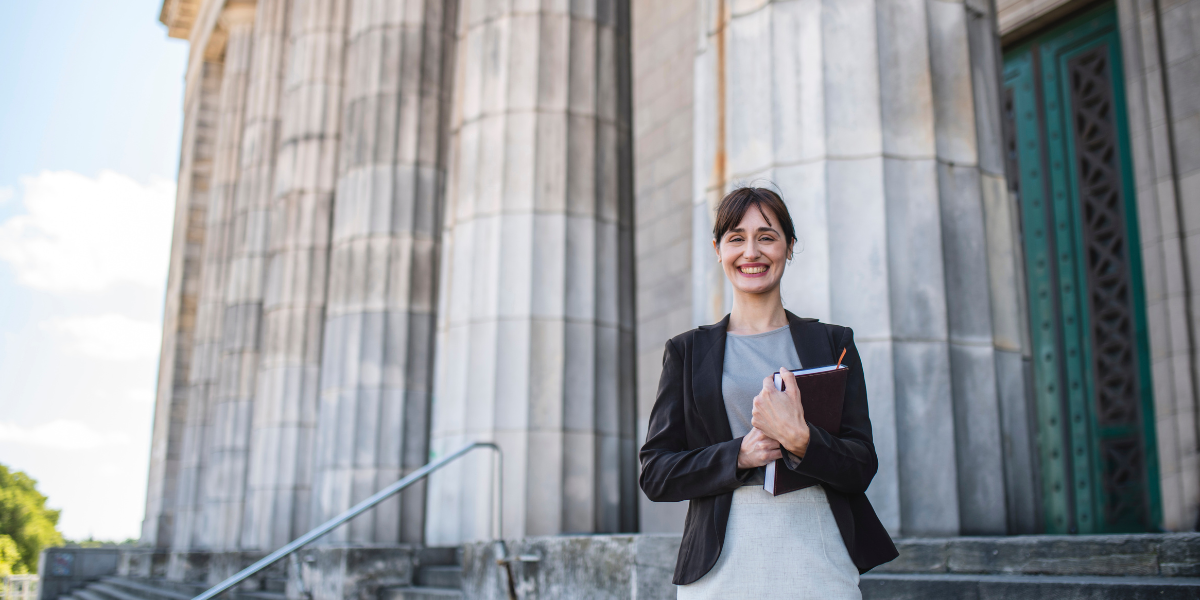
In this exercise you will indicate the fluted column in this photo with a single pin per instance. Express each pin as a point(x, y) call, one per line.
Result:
point(535, 338)
point(864, 115)
point(165, 494)
point(247, 267)
point(229, 399)
point(377, 362)
point(294, 301)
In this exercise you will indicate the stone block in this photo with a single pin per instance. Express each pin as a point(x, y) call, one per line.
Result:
point(964, 235)
point(798, 98)
point(925, 439)
point(617, 566)
point(906, 84)
point(953, 97)
point(806, 284)
point(750, 124)
point(859, 271)
point(349, 573)
point(1179, 555)
point(1013, 381)
point(914, 250)
point(1187, 144)
point(878, 359)
point(918, 556)
point(851, 67)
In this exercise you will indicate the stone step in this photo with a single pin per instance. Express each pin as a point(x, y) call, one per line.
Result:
point(437, 556)
point(112, 592)
point(446, 576)
point(1143, 555)
point(86, 595)
point(261, 595)
point(420, 593)
point(1025, 587)
point(145, 589)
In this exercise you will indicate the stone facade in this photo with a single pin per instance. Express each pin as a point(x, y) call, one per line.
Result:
point(404, 225)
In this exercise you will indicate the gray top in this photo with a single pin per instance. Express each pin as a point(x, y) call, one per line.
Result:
point(748, 359)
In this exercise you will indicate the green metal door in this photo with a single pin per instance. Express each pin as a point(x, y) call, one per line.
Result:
point(1069, 166)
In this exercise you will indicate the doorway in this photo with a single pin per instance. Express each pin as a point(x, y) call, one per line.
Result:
point(1070, 169)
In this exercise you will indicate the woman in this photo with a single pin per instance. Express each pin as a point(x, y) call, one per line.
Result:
point(718, 419)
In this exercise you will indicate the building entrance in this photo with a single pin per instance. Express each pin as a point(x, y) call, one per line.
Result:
point(1070, 168)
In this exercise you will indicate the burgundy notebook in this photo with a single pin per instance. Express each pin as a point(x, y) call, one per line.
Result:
point(822, 391)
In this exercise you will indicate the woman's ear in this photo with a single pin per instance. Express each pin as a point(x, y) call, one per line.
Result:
point(717, 249)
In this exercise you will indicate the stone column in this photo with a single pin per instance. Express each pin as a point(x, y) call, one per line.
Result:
point(171, 410)
point(247, 267)
point(863, 114)
point(535, 329)
point(294, 301)
point(377, 362)
point(195, 529)
point(224, 476)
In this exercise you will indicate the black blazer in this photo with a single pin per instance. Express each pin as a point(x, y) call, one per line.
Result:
point(690, 453)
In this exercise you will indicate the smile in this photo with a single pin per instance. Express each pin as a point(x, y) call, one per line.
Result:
point(752, 270)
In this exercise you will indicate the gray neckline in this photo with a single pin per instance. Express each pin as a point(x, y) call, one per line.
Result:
point(755, 335)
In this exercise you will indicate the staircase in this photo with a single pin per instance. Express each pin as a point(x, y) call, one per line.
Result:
point(438, 577)
point(1117, 567)
point(127, 588)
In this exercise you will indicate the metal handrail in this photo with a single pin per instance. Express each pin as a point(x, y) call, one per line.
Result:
point(358, 509)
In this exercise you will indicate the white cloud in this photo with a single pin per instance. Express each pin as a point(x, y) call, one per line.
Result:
point(6, 194)
point(61, 434)
point(85, 234)
point(110, 336)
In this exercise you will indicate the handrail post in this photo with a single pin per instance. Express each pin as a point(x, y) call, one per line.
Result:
point(356, 510)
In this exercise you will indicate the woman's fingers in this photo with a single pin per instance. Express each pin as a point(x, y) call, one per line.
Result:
point(789, 380)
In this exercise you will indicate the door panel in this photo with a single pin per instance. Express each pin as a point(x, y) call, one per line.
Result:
point(1069, 160)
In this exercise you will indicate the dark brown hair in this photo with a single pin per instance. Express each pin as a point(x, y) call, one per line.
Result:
point(735, 204)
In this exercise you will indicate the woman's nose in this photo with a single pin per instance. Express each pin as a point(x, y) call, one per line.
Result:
point(751, 250)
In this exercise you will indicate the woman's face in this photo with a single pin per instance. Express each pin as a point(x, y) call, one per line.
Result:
point(754, 253)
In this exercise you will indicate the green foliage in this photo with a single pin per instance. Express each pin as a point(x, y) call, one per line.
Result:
point(10, 555)
point(26, 525)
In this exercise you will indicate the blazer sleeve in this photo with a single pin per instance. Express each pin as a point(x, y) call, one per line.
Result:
point(671, 472)
point(847, 461)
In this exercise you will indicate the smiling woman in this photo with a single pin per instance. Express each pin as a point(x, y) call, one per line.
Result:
point(740, 540)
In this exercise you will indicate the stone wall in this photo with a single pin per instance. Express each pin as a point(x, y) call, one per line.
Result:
point(61, 570)
point(1162, 84)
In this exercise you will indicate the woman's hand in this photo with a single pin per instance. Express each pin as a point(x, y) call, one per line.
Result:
point(757, 450)
point(780, 415)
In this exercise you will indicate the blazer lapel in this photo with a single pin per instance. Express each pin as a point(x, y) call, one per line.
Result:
point(811, 341)
point(708, 362)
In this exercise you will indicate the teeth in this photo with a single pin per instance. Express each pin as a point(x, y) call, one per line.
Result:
point(753, 270)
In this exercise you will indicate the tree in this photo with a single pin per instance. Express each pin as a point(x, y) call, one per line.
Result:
point(26, 525)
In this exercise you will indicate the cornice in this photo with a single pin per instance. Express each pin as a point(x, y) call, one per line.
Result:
point(179, 16)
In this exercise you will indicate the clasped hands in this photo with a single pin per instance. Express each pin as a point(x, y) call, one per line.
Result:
point(777, 422)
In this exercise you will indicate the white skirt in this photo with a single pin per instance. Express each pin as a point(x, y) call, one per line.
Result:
point(785, 547)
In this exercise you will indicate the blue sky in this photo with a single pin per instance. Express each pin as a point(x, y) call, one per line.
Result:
point(90, 117)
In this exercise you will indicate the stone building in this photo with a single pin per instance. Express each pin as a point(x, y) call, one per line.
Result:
point(404, 225)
